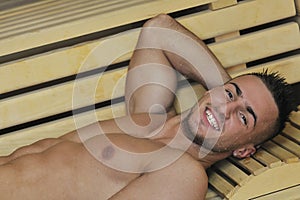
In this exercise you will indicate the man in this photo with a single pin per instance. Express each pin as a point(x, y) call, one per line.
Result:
point(152, 153)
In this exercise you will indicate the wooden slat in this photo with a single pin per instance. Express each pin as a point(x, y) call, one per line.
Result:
point(287, 144)
point(227, 36)
point(212, 195)
point(267, 158)
point(222, 4)
point(287, 67)
point(272, 180)
point(237, 175)
point(219, 5)
point(244, 15)
point(66, 27)
point(220, 184)
point(55, 12)
point(61, 98)
point(295, 118)
point(297, 2)
point(292, 132)
point(250, 164)
point(19, 9)
point(280, 152)
point(66, 62)
point(258, 45)
point(12, 141)
point(288, 193)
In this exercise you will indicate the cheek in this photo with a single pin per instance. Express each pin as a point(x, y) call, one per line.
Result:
point(204, 101)
point(232, 130)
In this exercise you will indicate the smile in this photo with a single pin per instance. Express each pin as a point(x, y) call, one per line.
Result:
point(212, 120)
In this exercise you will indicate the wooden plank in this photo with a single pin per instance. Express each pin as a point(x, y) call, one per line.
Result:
point(295, 118)
point(237, 68)
point(222, 4)
point(280, 152)
point(257, 45)
point(250, 164)
point(220, 184)
point(287, 67)
point(62, 98)
point(12, 141)
point(212, 195)
point(287, 144)
point(292, 132)
point(272, 180)
point(19, 9)
point(227, 36)
point(66, 62)
point(50, 12)
point(64, 28)
point(232, 171)
point(297, 2)
point(244, 15)
point(267, 158)
point(290, 193)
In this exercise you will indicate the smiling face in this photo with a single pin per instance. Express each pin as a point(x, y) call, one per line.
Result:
point(234, 116)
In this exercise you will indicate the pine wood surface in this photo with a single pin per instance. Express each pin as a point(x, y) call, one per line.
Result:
point(225, 21)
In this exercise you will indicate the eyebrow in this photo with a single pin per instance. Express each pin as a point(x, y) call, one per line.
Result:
point(248, 108)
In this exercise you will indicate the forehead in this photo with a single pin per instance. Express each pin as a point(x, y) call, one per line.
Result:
point(256, 95)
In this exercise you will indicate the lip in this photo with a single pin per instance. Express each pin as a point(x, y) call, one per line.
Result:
point(206, 120)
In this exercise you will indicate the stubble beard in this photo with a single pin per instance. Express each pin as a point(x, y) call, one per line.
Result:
point(197, 139)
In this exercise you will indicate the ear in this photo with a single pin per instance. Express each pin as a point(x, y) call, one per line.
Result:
point(244, 152)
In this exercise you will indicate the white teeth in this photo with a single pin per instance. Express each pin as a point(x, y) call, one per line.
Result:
point(212, 121)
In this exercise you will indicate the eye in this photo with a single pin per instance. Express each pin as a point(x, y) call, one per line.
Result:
point(243, 119)
point(229, 95)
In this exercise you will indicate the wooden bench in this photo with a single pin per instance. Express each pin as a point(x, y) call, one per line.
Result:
point(47, 48)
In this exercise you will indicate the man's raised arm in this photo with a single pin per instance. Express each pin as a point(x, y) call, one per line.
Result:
point(165, 45)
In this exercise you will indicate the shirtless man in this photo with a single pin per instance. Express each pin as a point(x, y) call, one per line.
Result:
point(113, 165)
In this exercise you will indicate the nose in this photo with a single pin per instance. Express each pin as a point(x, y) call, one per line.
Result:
point(230, 108)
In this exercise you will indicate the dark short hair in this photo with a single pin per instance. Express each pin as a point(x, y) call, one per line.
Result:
point(283, 95)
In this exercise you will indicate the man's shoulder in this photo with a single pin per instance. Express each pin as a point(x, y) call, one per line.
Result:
point(186, 177)
point(194, 166)
point(185, 167)
point(193, 176)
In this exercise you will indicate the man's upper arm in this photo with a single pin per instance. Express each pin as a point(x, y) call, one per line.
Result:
point(151, 82)
point(184, 179)
point(164, 46)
